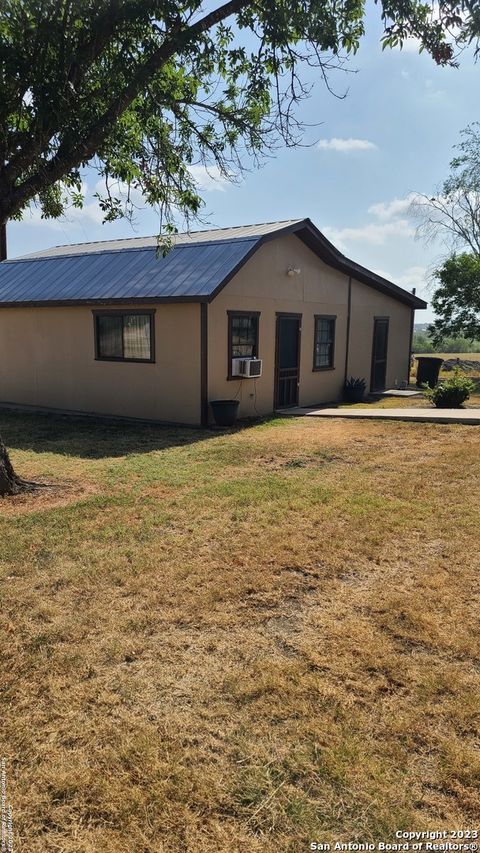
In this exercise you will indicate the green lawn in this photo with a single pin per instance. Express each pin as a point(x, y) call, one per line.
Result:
point(240, 641)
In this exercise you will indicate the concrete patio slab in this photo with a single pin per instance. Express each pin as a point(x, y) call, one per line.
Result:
point(437, 416)
point(396, 392)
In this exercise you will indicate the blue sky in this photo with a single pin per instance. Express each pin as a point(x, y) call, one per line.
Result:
point(392, 135)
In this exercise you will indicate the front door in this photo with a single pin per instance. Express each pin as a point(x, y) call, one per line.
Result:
point(287, 371)
point(379, 354)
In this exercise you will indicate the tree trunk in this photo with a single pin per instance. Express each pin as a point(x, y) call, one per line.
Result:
point(10, 482)
point(3, 241)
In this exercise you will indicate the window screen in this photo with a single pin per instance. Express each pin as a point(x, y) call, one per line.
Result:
point(124, 337)
point(243, 335)
point(324, 342)
point(136, 336)
point(109, 337)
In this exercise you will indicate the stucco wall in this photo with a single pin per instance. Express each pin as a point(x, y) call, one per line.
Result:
point(263, 285)
point(367, 304)
point(47, 359)
point(47, 354)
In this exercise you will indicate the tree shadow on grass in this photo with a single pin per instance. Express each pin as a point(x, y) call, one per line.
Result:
point(95, 438)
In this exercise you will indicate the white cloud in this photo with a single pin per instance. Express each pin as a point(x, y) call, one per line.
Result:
point(413, 277)
point(90, 213)
point(391, 209)
point(411, 45)
point(433, 94)
point(345, 145)
point(417, 277)
point(209, 179)
point(373, 233)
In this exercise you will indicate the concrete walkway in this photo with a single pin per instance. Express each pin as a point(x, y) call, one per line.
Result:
point(396, 392)
point(436, 416)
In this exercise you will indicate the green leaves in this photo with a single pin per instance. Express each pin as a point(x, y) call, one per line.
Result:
point(451, 393)
point(457, 298)
point(144, 89)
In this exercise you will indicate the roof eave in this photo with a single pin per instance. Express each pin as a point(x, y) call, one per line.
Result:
point(315, 240)
point(86, 303)
point(304, 229)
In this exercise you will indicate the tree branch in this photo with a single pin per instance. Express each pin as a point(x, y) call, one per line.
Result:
point(71, 156)
point(32, 145)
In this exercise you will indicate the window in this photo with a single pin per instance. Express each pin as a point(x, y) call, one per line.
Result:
point(124, 336)
point(324, 342)
point(242, 336)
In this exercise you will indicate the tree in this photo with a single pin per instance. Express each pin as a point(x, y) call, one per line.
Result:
point(144, 89)
point(421, 342)
point(456, 301)
point(452, 215)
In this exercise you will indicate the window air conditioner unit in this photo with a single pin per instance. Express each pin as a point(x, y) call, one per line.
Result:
point(247, 368)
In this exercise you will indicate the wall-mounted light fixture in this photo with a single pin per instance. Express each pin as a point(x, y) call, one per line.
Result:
point(293, 271)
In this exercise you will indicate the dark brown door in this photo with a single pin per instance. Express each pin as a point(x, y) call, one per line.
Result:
point(287, 373)
point(379, 354)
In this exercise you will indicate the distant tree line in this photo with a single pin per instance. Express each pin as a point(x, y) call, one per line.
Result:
point(423, 342)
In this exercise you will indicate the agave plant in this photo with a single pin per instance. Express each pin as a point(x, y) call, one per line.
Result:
point(354, 389)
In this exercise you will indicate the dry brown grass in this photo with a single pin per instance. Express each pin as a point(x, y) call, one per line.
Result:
point(468, 356)
point(241, 642)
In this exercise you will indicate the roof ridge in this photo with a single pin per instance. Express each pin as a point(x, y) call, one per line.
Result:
point(180, 276)
point(31, 258)
point(177, 234)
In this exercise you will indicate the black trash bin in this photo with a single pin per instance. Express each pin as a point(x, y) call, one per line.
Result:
point(428, 369)
point(225, 411)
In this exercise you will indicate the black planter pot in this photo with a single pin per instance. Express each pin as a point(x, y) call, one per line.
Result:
point(453, 401)
point(225, 411)
point(354, 395)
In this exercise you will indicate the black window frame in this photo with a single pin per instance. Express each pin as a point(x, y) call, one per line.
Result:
point(231, 316)
point(125, 313)
point(333, 319)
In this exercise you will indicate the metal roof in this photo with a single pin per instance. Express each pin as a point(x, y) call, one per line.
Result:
point(195, 269)
point(187, 272)
point(237, 232)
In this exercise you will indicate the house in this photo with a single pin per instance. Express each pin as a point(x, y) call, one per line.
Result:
point(112, 328)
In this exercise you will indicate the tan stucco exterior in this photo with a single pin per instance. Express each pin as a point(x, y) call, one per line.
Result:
point(367, 304)
point(263, 285)
point(47, 359)
point(47, 356)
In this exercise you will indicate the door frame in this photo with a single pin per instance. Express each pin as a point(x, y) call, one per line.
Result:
point(372, 369)
point(280, 315)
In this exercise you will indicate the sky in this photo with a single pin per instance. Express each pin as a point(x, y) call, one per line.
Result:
point(393, 134)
